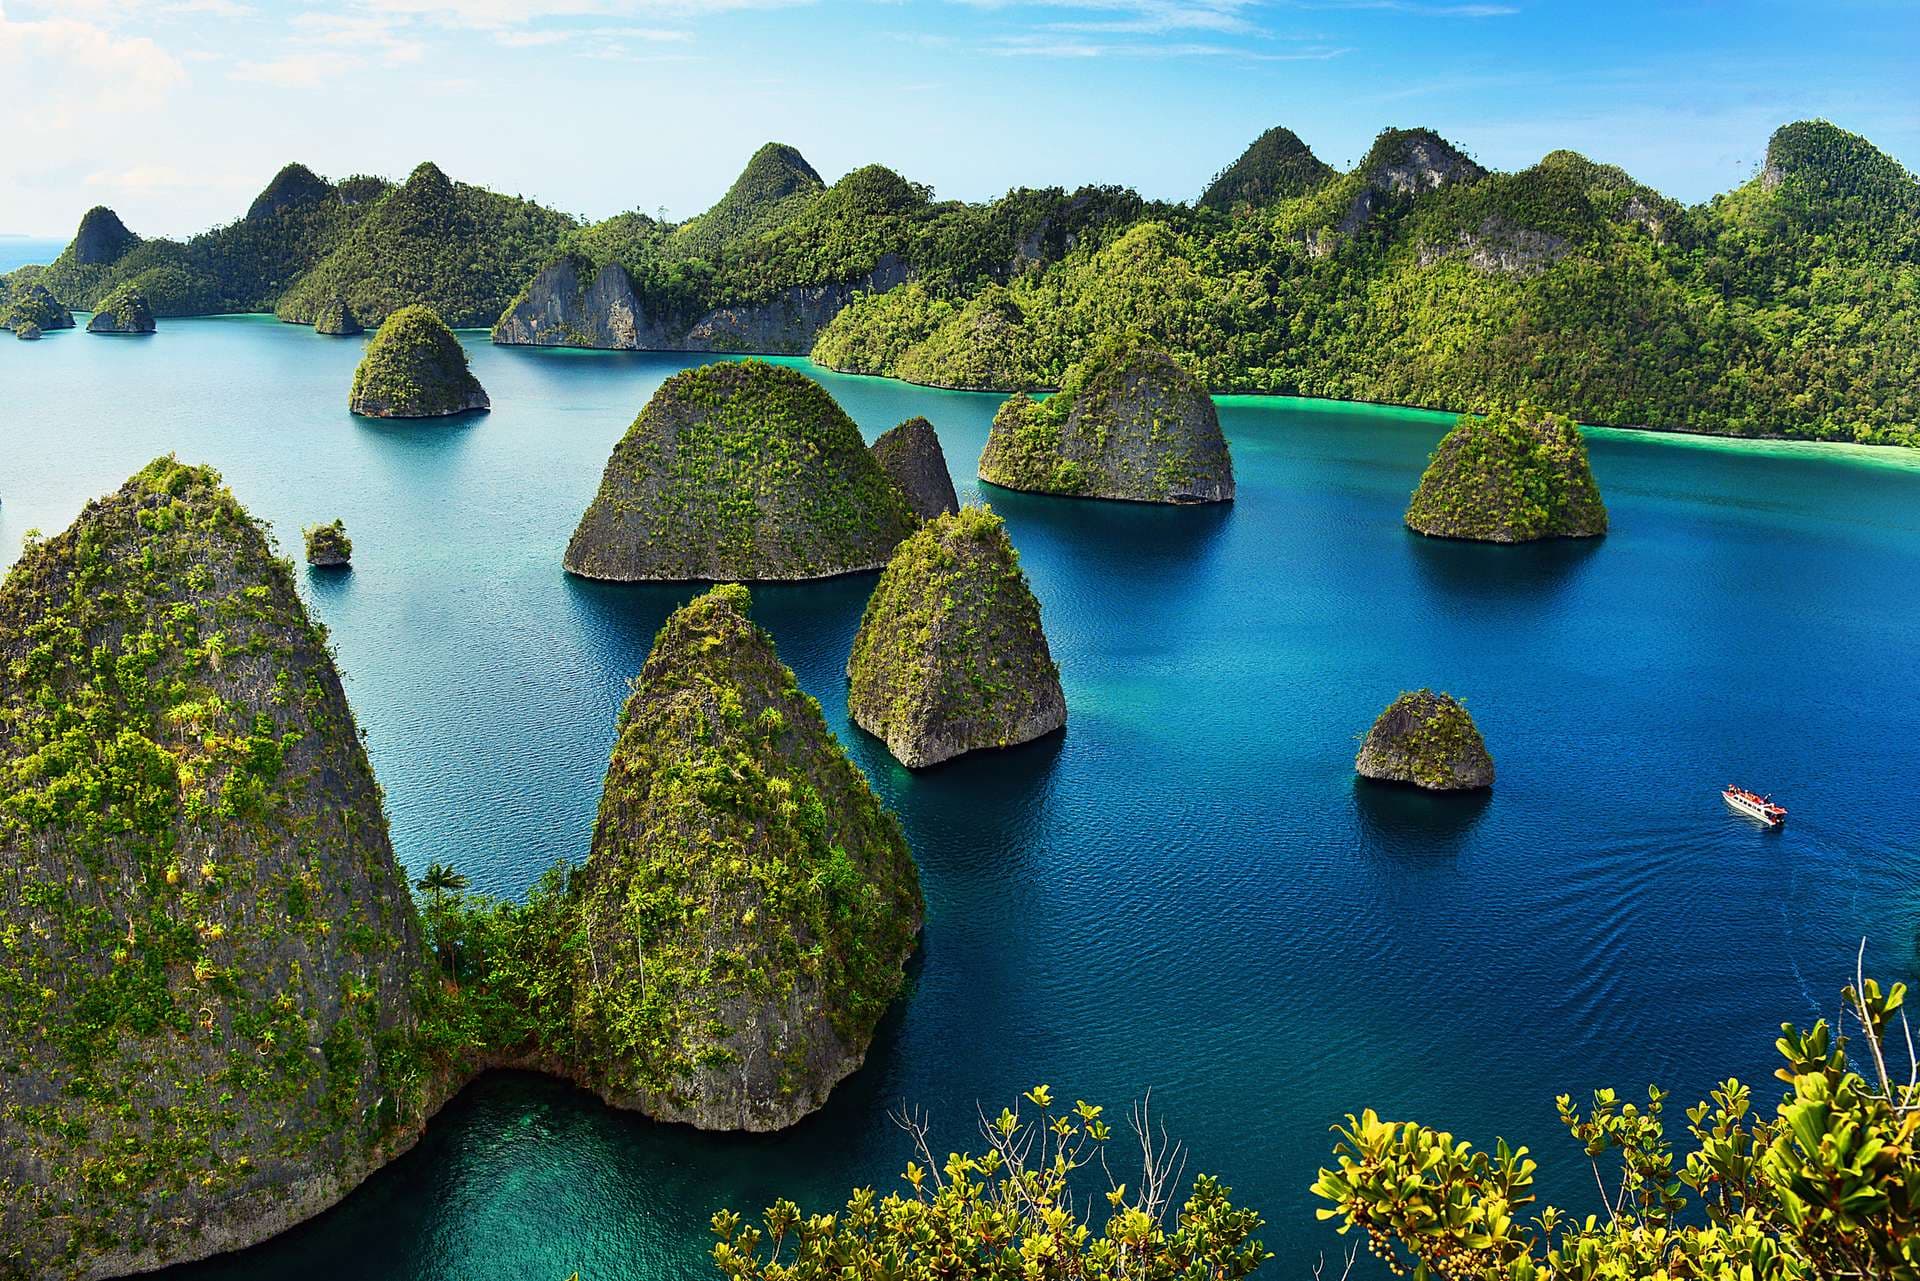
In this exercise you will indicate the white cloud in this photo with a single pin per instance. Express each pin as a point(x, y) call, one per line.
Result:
point(42, 60)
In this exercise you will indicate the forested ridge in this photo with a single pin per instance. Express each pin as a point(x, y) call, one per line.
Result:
point(1789, 306)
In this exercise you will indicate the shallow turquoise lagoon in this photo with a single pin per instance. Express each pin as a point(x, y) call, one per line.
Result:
point(1187, 892)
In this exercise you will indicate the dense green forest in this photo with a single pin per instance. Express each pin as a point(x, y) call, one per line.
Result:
point(1790, 306)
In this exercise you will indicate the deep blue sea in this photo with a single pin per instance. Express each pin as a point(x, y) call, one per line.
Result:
point(1188, 892)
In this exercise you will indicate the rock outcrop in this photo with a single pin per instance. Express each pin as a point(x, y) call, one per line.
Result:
point(1127, 423)
point(33, 304)
point(211, 953)
point(748, 906)
point(1401, 165)
point(328, 546)
point(337, 320)
point(124, 311)
point(739, 471)
point(26, 331)
point(1278, 166)
point(1428, 740)
point(415, 368)
point(574, 303)
point(1511, 477)
point(101, 239)
point(950, 656)
point(911, 456)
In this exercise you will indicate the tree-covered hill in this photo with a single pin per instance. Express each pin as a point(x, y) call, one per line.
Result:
point(1788, 307)
point(460, 249)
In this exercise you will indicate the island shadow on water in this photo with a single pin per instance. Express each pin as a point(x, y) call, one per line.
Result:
point(1107, 536)
point(1507, 572)
point(1406, 822)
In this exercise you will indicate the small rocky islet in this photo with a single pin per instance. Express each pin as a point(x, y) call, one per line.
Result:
point(124, 311)
point(328, 546)
point(911, 456)
point(1128, 423)
point(1428, 740)
point(740, 471)
point(1510, 476)
point(415, 368)
point(950, 656)
point(33, 308)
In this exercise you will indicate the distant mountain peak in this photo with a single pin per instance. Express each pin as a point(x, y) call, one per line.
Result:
point(1277, 166)
point(102, 237)
point(428, 177)
point(295, 186)
point(775, 172)
point(1416, 160)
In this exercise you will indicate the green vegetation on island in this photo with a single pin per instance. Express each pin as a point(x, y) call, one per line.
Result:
point(415, 368)
point(1827, 1186)
point(32, 306)
point(328, 546)
point(736, 472)
point(748, 905)
point(950, 656)
point(1040, 1202)
point(742, 921)
point(1428, 740)
point(123, 311)
point(1127, 423)
point(1512, 476)
point(459, 249)
point(336, 319)
point(911, 456)
point(208, 955)
point(1788, 307)
point(1278, 166)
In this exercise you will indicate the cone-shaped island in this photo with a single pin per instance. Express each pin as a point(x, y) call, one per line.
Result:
point(748, 906)
point(740, 471)
point(211, 953)
point(911, 456)
point(415, 368)
point(336, 319)
point(124, 311)
point(1428, 740)
point(1513, 476)
point(1127, 423)
point(950, 656)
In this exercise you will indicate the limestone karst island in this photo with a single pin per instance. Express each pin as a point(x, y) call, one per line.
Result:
point(847, 642)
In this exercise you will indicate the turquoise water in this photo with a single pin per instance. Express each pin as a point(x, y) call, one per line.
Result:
point(1188, 892)
point(18, 251)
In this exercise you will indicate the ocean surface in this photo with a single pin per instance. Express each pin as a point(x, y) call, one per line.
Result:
point(18, 251)
point(1188, 892)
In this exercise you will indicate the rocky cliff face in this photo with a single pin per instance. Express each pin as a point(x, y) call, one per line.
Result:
point(102, 238)
point(950, 656)
point(209, 945)
point(572, 303)
point(1428, 740)
point(124, 311)
point(739, 471)
point(748, 906)
point(337, 319)
point(911, 456)
point(1403, 164)
point(1511, 477)
point(1127, 423)
point(415, 368)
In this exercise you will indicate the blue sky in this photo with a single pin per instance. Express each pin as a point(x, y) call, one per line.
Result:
point(176, 111)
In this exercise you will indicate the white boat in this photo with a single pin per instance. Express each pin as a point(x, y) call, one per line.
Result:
point(1755, 806)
